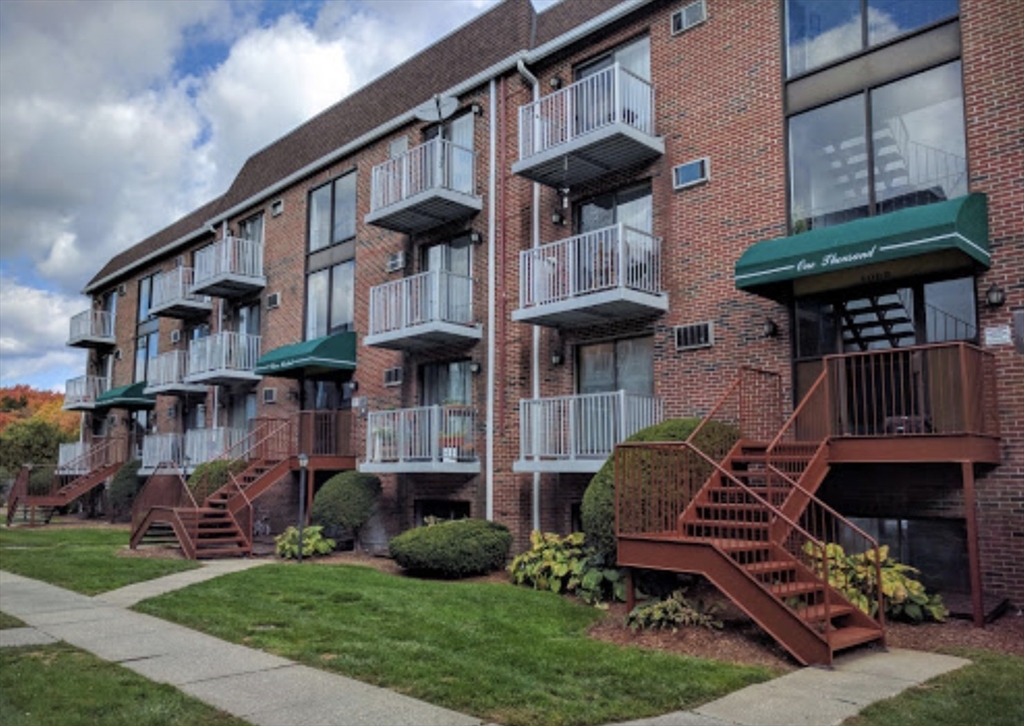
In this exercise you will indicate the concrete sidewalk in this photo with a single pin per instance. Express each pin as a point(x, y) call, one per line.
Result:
point(266, 689)
point(255, 686)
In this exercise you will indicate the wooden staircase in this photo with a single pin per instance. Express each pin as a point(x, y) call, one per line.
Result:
point(166, 511)
point(99, 463)
point(750, 522)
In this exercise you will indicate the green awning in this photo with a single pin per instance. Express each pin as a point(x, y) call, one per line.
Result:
point(129, 397)
point(311, 357)
point(946, 235)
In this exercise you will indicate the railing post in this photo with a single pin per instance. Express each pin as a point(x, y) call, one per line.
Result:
point(623, 419)
point(572, 428)
point(617, 92)
point(965, 398)
point(438, 433)
point(622, 256)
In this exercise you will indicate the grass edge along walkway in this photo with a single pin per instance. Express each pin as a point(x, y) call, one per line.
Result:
point(91, 691)
point(83, 559)
point(512, 655)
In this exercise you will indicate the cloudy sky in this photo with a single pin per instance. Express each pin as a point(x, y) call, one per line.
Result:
point(119, 116)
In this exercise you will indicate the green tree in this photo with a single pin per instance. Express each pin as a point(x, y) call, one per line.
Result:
point(31, 441)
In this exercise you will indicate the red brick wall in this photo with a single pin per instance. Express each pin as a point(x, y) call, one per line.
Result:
point(992, 33)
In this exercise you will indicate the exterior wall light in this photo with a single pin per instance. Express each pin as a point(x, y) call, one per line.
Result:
point(474, 368)
point(995, 296)
point(770, 329)
point(557, 217)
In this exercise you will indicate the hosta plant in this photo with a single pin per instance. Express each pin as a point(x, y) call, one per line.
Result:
point(566, 565)
point(314, 543)
point(674, 612)
point(854, 575)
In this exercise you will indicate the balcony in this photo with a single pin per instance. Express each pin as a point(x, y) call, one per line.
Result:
point(173, 296)
point(230, 267)
point(91, 329)
point(596, 126)
point(203, 445)
point(71, 458)
point(426, 310)
point(605, 275)
point(569, 434)
point(427, 439)
point(80, 393)
point(159, 449)
point(425, 187)
point(167, 373)
point(223, 358)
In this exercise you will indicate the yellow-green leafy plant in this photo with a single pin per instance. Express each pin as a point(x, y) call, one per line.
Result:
point(314, 544)
point(567, 565)
point(674, 612)
point(854, 575)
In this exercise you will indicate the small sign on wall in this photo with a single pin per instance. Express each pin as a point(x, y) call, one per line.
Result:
point(998, 335)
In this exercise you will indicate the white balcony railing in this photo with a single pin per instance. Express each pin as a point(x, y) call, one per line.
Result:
point(585, 426)
point(160, 449)
point(84, 390)
point(437, 296)
point(167, 369)
point(175, 287)
point(611, 96)
point(427, 433)
point(437, 164)
point(73, 452)
point(223, 352)
point(229, 256)
point(203, 445)
point(91, 324)
point(613, 257)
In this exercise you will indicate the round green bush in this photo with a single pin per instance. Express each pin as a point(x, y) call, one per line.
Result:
point(452, 550)
point(598, 508)
point(345, 502)
point(40, 480)
point(123, 487)
point(211, 476)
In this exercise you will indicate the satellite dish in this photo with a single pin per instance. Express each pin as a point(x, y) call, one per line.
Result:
point(436, 109)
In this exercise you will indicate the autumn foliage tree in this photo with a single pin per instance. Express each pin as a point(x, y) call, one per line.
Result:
point(32, 428)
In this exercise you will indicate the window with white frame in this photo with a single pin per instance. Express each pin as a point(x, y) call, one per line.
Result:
point(690, 173)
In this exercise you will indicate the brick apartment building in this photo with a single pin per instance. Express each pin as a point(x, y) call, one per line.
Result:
point(477, 274)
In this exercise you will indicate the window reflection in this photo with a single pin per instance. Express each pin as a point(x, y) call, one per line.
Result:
point(821, 31)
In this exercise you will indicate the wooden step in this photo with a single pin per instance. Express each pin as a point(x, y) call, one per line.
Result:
point(782, 590)
point(769, 567)
point(816, 613)
point(850, 636)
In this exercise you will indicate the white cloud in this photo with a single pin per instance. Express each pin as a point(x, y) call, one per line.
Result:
point(33, 330)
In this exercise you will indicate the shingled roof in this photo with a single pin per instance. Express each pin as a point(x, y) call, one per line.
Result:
point(499, 34)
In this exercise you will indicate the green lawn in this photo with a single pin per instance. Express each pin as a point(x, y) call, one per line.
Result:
point(9, 621)
point(990, 691)
point(58, 684)
point(83, 559)
point(512, 655)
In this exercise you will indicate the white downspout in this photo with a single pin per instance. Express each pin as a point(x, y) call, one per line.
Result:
point(492, 177)
point(535, 353)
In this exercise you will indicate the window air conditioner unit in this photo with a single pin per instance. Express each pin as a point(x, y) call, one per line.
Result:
point(396, 261)
point(175, 337)
point(695, 335)
point(393, 376)
point(691, 15)
point(269, 395)
point(273, 301)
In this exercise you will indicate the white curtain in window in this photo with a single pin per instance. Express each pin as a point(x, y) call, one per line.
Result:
point(635, 365)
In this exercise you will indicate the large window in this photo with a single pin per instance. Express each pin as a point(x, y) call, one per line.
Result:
point(821, 31)
point(145, 351)
point(332, 213)
point(631, 207)
point(330, 301)
point(446, 383)
point(145, 298)
point(455, 165)
point(252, 228)
point(634, 57)
point(917, 145)
point(619, 365)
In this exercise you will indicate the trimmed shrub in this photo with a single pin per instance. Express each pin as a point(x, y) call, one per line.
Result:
point(598, 509)
point(40, 480)
point(211, 476)
point(314, 544)
point(452, 550)
point(123, 488)
point(345, 502)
